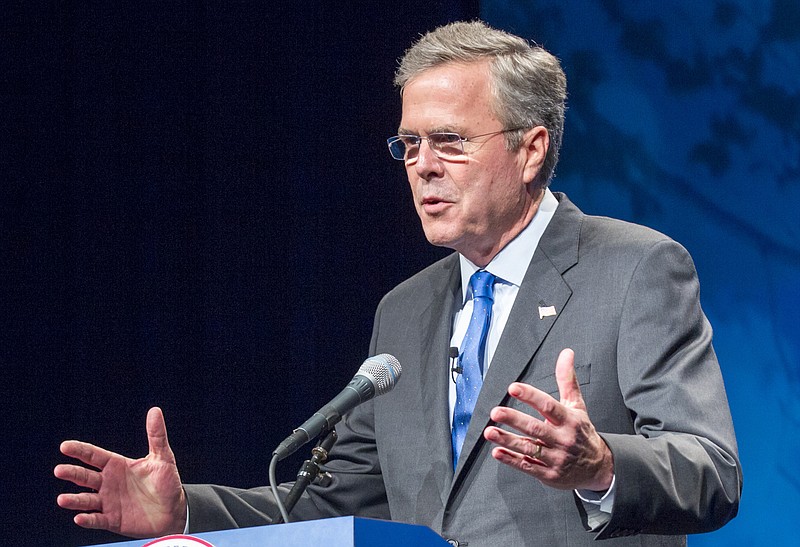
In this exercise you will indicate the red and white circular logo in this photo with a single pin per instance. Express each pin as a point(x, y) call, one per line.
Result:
point(178, 541)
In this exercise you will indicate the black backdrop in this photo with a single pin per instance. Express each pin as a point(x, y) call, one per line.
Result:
point(198, 212)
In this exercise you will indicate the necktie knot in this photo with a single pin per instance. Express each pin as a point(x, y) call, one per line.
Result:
point(482, 285)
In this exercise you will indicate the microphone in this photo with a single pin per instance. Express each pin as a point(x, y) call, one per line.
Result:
point(455, 366)
point(376, 376)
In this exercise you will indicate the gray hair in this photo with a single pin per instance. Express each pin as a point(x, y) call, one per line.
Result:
point(528, 85)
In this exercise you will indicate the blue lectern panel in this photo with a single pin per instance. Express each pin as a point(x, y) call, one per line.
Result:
point(335, 532)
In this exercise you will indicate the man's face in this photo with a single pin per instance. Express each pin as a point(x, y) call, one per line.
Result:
point(478, 202)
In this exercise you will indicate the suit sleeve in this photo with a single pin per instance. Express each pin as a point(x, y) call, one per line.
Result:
point(680, 472)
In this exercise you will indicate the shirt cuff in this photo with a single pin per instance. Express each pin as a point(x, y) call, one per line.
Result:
point(186, 528)
point(598, 505)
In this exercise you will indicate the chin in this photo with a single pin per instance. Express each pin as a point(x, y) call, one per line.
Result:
point(440, 240)
point(442, 232)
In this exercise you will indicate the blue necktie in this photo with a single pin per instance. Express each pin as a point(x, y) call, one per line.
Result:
point(473, 348)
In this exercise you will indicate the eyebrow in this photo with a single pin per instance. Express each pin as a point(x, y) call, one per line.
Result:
point(438, 129)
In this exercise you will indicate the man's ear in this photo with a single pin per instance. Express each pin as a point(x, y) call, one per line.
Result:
point(534, 146)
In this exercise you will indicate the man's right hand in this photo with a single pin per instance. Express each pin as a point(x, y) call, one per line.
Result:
point(137, 498)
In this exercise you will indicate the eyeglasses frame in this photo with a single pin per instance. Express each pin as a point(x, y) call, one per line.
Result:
point(461, 140)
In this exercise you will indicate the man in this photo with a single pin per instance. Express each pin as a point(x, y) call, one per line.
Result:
point(629, 434)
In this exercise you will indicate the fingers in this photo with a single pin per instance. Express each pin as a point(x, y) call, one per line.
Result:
point(157, 435)
point(79, 475)
point(85, 501)
point(533, 431)
point(516, 446)
point(520, 421)
point(515, 459)
point(568, 386)
point(87, 453)
point(95, 521)
point(548, 407)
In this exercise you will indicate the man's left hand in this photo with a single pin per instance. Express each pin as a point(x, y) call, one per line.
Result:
point(563, 450)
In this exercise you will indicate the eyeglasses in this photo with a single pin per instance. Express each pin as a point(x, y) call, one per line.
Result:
point(444, 145)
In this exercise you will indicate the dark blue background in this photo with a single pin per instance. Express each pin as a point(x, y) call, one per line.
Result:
point(685, 116)
point(199, 212)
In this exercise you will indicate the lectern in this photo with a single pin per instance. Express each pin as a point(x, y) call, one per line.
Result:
point(334, 532)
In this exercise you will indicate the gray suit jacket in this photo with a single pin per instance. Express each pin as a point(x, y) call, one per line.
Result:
point(627, 302)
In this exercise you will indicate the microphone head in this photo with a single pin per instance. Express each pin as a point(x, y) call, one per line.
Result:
point(384, 371)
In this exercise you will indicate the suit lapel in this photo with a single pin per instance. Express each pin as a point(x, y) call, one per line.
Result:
point(543, 285)
point(435, 324)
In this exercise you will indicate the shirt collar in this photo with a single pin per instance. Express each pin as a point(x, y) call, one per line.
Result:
point(511, 263)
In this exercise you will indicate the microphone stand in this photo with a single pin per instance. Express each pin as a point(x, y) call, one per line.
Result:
point(310, 472)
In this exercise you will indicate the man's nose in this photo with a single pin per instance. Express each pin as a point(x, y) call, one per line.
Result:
point(428, 163)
